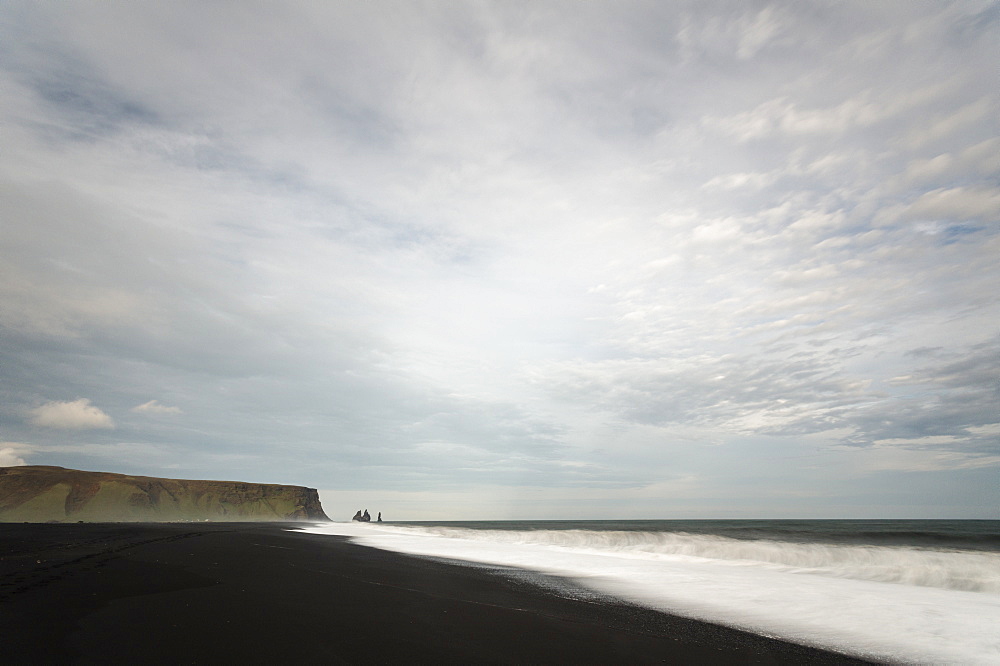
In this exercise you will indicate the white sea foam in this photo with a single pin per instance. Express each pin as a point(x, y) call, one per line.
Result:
point(899, 603)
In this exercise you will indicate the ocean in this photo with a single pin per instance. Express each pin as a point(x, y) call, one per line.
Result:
point(913, 591)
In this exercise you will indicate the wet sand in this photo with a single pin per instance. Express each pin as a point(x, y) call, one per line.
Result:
point(210, 593)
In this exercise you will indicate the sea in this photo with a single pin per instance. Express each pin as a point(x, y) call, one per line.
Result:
point(909, 591)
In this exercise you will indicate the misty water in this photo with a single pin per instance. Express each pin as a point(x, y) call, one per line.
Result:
point(908, 590)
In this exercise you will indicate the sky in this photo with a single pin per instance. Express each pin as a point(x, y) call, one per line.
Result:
point(488, 260)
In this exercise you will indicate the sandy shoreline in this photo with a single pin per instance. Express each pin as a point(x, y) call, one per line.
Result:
point(254, 593)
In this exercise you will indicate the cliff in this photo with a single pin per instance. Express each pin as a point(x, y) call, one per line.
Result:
point(39, 494)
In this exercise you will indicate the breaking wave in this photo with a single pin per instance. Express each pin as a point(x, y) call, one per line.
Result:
point(884, 591)
point(973, 571)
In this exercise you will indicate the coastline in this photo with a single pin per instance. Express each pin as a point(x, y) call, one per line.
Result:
point(226, 592)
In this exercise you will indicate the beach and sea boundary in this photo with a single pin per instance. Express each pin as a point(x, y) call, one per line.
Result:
point(265, 592)
point(914, 591)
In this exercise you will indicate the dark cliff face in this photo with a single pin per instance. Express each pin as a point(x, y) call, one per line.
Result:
point(42, 494)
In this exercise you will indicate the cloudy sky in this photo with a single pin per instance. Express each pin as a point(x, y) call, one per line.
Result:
point(504, 259)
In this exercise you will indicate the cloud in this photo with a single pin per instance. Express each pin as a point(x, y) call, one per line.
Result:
point(732, 34)
point(736, 180)
point(11, 454)
point(953, 400)
point(781, 116)
point(154, 407)
point(947, 124)
point(491, 246)
point(932, 454)
point(959, 203)
point(71, 415)
point(969, 164)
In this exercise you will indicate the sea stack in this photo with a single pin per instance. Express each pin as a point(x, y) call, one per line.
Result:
point(39, 494)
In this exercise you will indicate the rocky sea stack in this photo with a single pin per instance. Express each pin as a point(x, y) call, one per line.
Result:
point(41, 494)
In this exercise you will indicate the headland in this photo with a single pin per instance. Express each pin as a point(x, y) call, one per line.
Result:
point(42, 493)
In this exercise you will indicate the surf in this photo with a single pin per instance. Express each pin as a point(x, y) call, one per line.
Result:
point(947, 569)
point(900, 602)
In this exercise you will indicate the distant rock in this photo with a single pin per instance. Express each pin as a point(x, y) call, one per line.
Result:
point(40, 493)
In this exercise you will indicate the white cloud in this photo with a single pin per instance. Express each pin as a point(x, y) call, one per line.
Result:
point(958, 203)
point(71, 415)
point(742, 35)
point(945, 125)
point(12, 454)
point(782, 116)
point(765, 26)
point(154, 407)
point(984, 157)
point(732, 181)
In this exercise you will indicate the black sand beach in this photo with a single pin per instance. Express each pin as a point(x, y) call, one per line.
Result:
point(214, 593)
